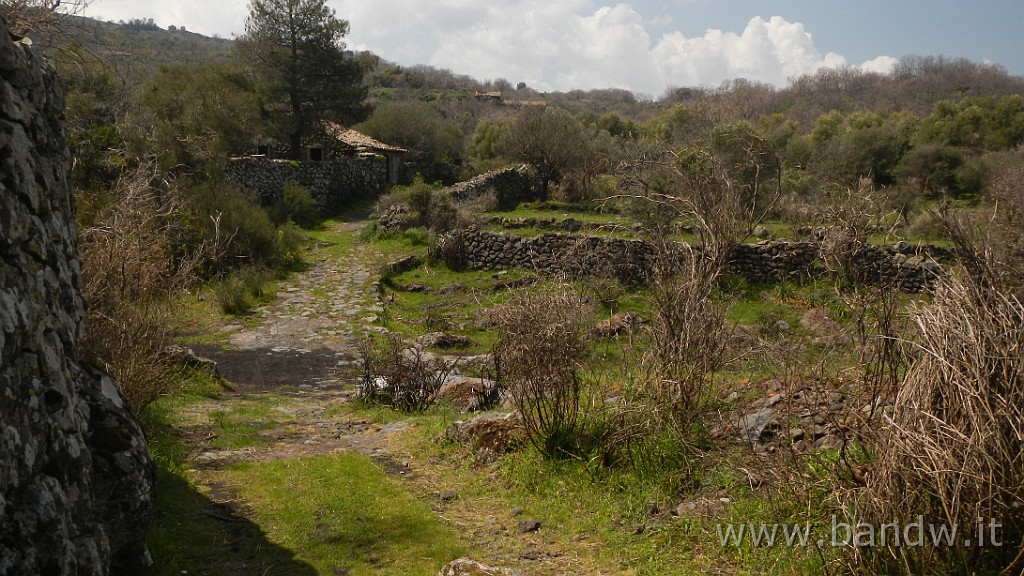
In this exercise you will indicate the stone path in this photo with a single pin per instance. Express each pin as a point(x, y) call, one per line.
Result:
point(304, 348)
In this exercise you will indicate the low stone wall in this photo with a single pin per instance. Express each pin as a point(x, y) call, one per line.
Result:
point(333, 183)
point(632, 261)
point(510, 185)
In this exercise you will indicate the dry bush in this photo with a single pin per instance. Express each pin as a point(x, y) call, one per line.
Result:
point(541, 347)
point(128, 278)
point(850, 217)
point(399, 375)
point(26, 17)
point(952, 448)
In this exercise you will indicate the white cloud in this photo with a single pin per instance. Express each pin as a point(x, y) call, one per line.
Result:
point(575, 44)
point(564, 45)
point(205, 17)
point(880, 65)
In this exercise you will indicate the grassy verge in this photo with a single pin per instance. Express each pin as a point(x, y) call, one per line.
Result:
point(342, 514)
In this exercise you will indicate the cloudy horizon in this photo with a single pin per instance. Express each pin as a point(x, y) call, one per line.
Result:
point(644, 46)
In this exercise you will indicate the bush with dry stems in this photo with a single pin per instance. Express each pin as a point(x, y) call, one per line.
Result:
point(952, 449)
point(401, 376)
point(129, 275)
point(540, 354)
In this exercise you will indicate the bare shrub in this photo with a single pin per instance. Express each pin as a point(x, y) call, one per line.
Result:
point(26, 17)
point(540, 352)
point(851, 216)
point(128, 278)
point(952, 450)
point(399, 375)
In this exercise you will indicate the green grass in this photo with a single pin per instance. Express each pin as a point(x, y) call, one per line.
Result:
point(244, 423)
point(342, 514)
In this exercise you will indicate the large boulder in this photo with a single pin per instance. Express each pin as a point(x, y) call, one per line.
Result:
point(489, 434)
point(468, 394)
point(76, 479)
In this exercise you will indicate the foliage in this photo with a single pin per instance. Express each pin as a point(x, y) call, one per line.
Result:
point(295, 49)
point(223, 216)
point(200, 114)
point(129, 275)
point(976, 123)
point(295, 205)
point(242, 290)
point(417, 126)
point(551, 140)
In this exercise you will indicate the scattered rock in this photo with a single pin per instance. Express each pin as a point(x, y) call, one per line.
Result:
point(443, 340)
point(187, 357)
point(416, 287)
point(394, 428)
point(618, 324)
point(467, 394)
point(447, 496)
point(490, 434)
point(531, 554)
point(468, 567)
point(754, 426)
point(526, 526)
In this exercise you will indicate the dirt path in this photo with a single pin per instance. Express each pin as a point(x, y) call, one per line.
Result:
point(290, 374)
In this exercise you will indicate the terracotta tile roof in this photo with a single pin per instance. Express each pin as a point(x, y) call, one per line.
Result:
point(357, 140)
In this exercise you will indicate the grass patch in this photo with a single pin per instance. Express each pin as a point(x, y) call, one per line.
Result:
point(348, 518)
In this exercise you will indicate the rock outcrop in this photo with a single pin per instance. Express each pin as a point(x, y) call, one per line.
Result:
point(76, 479)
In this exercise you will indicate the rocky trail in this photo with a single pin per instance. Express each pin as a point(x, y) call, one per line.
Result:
point(300, 359)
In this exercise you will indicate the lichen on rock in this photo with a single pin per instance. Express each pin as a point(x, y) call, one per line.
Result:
point(76, 478)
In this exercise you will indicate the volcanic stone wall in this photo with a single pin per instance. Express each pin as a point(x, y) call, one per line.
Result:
point(633, 260)
point(76, 479)
point(333, 183)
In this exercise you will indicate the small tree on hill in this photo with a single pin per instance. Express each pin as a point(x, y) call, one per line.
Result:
point(296, 50)
point(551, 140)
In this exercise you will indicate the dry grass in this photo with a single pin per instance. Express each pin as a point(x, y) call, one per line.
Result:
point(128, 274)
point(951, 450)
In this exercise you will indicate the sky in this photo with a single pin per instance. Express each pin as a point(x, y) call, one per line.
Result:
point(644, 46)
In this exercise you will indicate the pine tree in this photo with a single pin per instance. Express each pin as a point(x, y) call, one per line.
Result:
point(296, 50)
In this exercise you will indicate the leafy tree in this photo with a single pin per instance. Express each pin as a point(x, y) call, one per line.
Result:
point(979, 123)
point(200, 113)
point(550, 139)
point(486, 135)
point(296, 50)
point(417, 126)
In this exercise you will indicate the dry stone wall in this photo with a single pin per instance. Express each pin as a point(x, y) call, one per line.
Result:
point(510, 185)
point(333, 183)
point(633, 260)
point(76, 479)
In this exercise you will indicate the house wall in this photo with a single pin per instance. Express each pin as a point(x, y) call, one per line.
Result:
point(333, 183)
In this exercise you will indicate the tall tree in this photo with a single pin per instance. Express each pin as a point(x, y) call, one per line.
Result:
point(296, 50)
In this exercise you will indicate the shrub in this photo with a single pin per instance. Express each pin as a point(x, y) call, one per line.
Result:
point(542, 342)
point(131, 267)
point(417, 236)
point(242, 290)
point(400, 376)
point(296, 205)
point(952, 450)
point(224, 217)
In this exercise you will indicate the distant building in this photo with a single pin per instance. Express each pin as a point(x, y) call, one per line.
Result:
point(333, 142)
